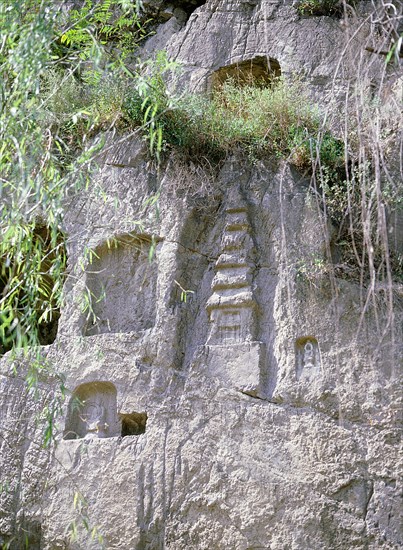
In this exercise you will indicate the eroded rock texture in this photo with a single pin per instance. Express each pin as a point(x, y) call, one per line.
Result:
point(229, 393)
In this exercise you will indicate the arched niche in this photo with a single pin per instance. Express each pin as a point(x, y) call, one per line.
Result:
point(260, 70)
point(122, 281)
point(92, 412)
point(307, 355)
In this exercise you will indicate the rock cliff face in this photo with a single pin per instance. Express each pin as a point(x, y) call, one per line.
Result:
point(231, 392)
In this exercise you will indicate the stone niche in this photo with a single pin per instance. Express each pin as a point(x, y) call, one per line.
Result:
point(122, 282)
point(133, 423)
point(51, 251)
point(307, 357)
point(92, 412)
point(258, 70)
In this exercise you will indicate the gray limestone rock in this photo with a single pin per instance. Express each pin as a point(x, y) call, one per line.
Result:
point(212, 384)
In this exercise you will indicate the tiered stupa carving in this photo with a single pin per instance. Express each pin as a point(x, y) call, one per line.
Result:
point(232, 305)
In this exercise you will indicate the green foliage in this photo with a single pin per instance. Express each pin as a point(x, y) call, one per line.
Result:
point(147, 102)
point(32, 186)
point(83, 523)
point(83, 95)
point(311, 269)
point(394, 51)
point(346, 199)
point(184, 293)
point(76, 111)
point(320, 7)
point(51, 109)
point(62, 81)
point(276, 121)
point(32, 263)
point(103, 32)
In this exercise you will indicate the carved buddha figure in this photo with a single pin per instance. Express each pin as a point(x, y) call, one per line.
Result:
point(309, 355)
point(93, 417)
point(92, 412)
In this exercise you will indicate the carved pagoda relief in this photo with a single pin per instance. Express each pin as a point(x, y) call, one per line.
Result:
point(307, 356)
point(92, 412)
point(232, 306)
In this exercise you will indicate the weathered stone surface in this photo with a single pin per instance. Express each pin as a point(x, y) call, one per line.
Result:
point(242, 448)
point(221, 33)
point(246, 438)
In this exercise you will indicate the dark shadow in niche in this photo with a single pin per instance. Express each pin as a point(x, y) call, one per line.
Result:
point(47, 332)
point(194, 261)
point(122, 281)
point(189, 6)
point(92, 412)
point(161, 12)
point(51, 253)
point(133, 423)
point(28, 535)
point(260, 70)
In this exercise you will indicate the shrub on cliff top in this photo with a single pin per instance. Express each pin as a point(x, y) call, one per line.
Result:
point(321, 7)
point(273, 121)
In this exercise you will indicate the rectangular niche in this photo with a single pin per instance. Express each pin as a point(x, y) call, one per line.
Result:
point(92, 412)
point(230, 326)
point(133, 423)
point(307, 356)
point(122, 282)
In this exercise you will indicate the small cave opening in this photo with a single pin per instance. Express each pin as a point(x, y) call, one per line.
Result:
point(189, 6)
point(159, 14)
point(181, 9)
point(31, 278)
point(133, 423)
point(259, 71)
